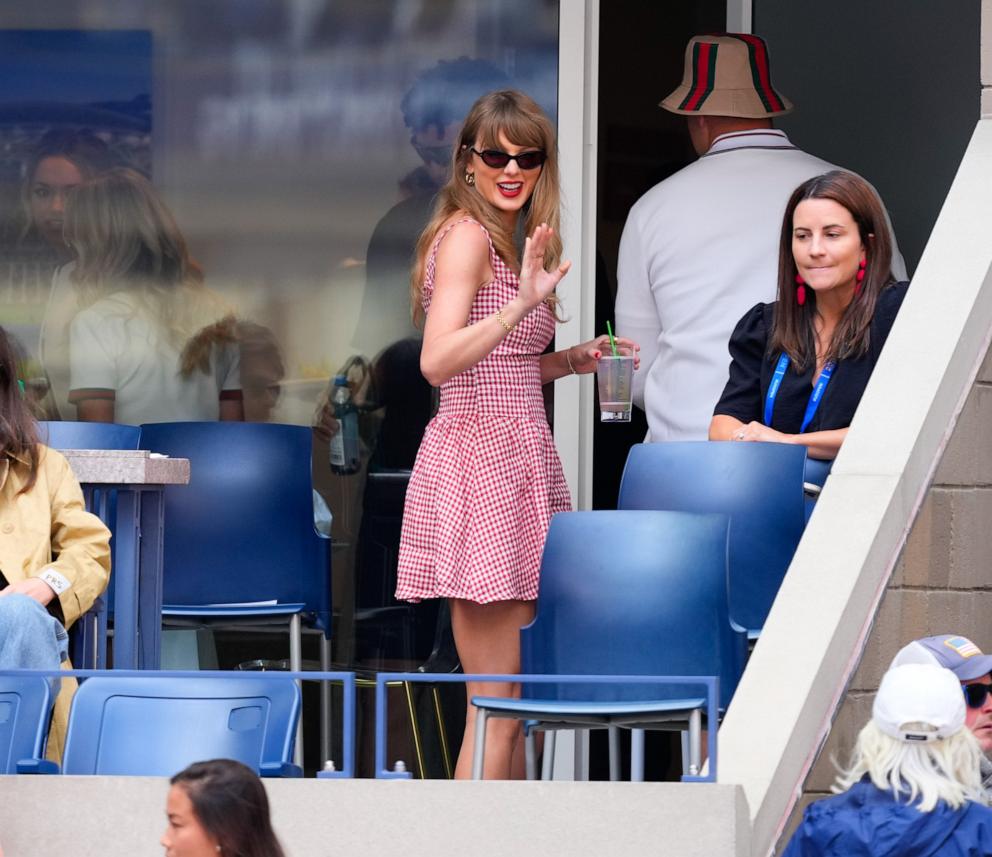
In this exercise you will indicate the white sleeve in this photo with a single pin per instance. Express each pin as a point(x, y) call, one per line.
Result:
point(636, 313)
point(228, 367)
point(92, 360)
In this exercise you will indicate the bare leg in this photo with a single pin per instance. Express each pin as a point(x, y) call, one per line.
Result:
point(487, 637)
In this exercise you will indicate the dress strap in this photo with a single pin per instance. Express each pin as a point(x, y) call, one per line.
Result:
point(450, 226)
point(429, 270)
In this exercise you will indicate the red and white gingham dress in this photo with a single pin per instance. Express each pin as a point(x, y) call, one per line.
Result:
point(487, 477)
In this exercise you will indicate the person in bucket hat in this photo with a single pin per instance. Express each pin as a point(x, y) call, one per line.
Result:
point(973, 669)
point(701, 248)
point(912, 788)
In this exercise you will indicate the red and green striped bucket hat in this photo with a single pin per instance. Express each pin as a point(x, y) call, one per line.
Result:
point(727, 75)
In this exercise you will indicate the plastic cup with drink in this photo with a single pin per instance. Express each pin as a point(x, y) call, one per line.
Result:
point(614, 376)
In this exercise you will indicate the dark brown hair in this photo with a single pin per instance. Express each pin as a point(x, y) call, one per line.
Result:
point(18, 430)
point(230, 803)
point(81, 148)
point(792, 331)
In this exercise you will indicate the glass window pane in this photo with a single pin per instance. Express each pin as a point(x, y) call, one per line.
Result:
point(292, 147)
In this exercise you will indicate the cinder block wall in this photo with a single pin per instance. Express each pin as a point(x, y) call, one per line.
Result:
point(942, 583)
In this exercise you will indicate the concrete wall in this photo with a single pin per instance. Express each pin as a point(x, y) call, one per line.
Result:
point(124, 817)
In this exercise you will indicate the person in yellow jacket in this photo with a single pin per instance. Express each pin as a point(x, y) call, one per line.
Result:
point(54, 555)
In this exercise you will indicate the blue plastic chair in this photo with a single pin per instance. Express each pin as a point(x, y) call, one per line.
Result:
point(817, 471)
point(86, 435)
point(759, 485)
point(89, 640)
point(625, 593)
point(242, 532)
point(156, 726)
point(25, 710)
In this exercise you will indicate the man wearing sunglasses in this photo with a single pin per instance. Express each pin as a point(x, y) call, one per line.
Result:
point(974, 670)
point(433, 109)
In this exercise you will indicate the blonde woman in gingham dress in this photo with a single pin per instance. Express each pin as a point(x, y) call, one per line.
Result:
point(487, 478)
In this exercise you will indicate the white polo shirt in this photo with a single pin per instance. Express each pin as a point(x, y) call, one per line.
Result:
point(119, 351)
point(699, 250)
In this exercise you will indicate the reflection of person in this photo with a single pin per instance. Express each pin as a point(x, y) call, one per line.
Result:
point(800, 365)
point(912, 789)
point(54, 555)
point(62, 160)
point(403, 393)
point(218, 807)
point(487, 478)
point(129, 354)
point(433, 109)
point(262, 370)
point(698, 249)
point(973, 669)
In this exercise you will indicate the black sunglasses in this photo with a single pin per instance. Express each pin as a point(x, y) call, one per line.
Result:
point(525, 160)
point(976, 694)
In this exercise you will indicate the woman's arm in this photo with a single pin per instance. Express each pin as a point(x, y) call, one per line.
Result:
point(451, 345)
point(80, 567)
point(819, 444)
point(582, 359)
point(232, 410)
point(95, 410)
point(723, 427)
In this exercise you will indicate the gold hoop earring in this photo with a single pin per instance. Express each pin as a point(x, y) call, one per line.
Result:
point(469, 178)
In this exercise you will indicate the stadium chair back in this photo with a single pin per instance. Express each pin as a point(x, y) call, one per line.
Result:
point(758, 485)
point(156, 726)
point(242, 531)
point(632, 593)
point(25, 709)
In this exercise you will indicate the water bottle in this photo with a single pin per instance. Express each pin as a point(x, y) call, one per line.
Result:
point(345, 459)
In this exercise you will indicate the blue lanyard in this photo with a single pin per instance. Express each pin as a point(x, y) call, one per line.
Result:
point(814, 400)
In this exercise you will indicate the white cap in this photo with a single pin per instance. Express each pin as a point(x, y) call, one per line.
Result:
point(919, 693)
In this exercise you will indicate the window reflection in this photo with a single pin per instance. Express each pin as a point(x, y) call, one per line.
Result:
point(150, 342)
point(296, 146)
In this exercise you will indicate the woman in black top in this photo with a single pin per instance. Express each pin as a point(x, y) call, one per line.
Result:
point(800, 365)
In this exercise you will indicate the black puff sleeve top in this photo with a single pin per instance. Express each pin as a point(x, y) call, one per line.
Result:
point(752, 367)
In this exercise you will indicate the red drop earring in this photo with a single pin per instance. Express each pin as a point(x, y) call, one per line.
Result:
point(800, 290)
point(859, 278)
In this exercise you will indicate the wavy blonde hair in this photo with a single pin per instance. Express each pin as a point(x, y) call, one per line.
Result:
point(943, 770)
point(521, 121)
point(126, 239)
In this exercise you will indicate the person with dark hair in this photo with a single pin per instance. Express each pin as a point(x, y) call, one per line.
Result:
point(37, 254)
point(698, 249)
point(218, 807)
point(800, 365)
point(152, 344)
point(62, 160)
point(54, 555)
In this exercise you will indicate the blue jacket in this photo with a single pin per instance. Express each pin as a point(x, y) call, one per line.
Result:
point(868, 822)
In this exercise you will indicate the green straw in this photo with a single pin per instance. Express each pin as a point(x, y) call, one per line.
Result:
point(613, 342)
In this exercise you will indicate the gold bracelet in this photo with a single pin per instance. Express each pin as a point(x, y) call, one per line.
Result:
point(503, 323)
point(568, 360)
